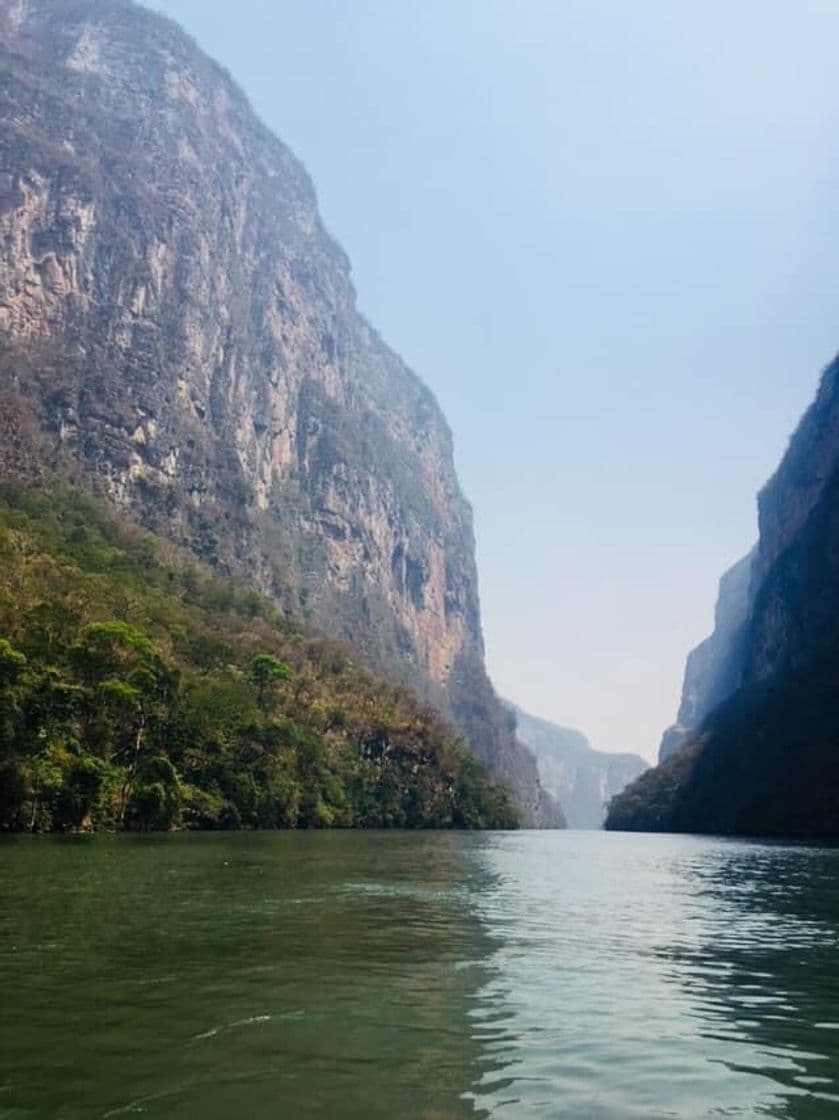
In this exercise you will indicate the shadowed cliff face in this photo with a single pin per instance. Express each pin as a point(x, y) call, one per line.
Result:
point(796, 610)
point(177, 324)
point(766, 760)
point(713, 669)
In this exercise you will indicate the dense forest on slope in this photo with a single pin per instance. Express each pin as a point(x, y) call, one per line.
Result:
point(137, 690)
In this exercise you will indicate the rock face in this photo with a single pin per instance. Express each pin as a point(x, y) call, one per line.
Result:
point(580, 778)
point(713, 669)
point(766, 760)
point(177, 325)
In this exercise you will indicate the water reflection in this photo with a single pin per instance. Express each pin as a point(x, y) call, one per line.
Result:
point(659, 977)
point(262, 976)
point(764, 966)
point(579, 975)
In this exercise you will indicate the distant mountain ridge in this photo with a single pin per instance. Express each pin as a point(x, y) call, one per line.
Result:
point(583, 780)
point(765, 761)
point(178, 330)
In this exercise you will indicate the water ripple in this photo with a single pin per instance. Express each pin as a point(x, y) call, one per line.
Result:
point(571, 976)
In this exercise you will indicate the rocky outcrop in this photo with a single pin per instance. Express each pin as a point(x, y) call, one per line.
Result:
point(796, 609)
point(182, 329)
point(713, 669)
point(581, 779)
point(766, 760)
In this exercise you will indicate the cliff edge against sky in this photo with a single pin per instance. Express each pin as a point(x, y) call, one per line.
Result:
point(178, 327)
point(765, 761)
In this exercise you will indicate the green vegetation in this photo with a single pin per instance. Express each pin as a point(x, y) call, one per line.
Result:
point(139, 691)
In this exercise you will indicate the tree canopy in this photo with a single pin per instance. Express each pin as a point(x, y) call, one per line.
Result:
point(137, 690)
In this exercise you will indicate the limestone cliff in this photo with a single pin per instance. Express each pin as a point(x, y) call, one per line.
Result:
point(713, 669)
point(177, 325)
point(583, 780)
point(796, 609)
point(766, 760)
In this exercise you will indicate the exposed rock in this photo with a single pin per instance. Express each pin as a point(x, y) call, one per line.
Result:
point(795, 612)
point(766, 760)
point(713, 669)
point(581, 779)
point(185, 333)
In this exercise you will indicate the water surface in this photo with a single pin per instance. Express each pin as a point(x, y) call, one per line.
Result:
point(436, 975)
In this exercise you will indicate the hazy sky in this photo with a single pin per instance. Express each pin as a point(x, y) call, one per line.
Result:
point(604, 233)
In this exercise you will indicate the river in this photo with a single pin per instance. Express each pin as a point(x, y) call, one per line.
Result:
point(589, 976)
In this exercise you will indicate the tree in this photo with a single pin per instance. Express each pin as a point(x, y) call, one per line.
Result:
point(156, 798)
point(266, 672)
point(12, 667)
point(132, 682)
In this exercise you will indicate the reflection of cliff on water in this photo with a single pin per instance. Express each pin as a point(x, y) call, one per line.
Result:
point(766, 973)
point(262, 975)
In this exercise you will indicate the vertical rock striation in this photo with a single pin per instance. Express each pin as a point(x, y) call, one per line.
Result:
point(177, 325)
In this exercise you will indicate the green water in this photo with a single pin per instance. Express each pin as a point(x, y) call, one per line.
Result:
point(577, 975)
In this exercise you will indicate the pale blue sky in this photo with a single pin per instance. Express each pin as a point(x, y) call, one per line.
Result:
point(605, 235)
